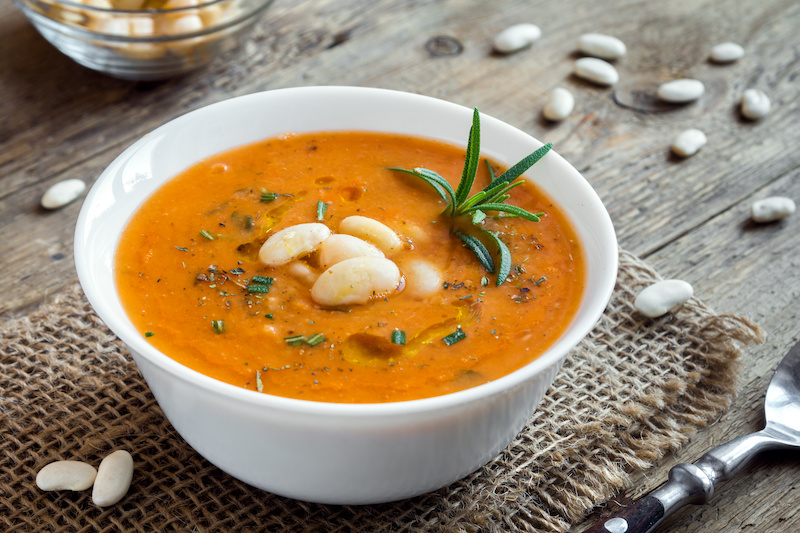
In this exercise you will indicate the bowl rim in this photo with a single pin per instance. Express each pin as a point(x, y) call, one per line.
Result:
point(137, 344)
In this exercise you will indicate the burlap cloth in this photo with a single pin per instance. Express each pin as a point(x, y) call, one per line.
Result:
point(633, 391)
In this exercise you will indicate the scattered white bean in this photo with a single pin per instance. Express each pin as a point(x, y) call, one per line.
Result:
point(681, 91)
point(66, 475)
point(602, 46)
point(63, 193)
point(560, 105)
point(596, 70)
point(726, 53)
point(755, 104)
point(356, 281)
point(771, 209)
point(303, 272)
point(341, 246)
point(372, 231)
point(689, 142)
point(423, 278)
point(662, 297)
point(113, 478)
point(293, 242)
point(516, 37)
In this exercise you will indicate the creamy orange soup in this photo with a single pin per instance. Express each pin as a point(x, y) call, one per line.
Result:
point(188, 259)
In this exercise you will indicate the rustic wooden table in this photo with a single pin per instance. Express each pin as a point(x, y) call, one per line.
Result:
point(688, 218)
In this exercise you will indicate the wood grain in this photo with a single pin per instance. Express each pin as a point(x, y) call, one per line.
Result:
point(689, 218)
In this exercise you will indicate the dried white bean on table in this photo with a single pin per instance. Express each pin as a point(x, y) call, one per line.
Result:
point(771, 209)
point(113, 478)
point(372, 231)
point(602, 46)
point(560, 105)
point(62, 193)
point(662, 297)
point(356, 281)
point(726, 53)
point(516, 37)
point(681, 91)
point(66, 475)
point(596, 70)
point(290, 243)
point(689, 142)
point(755, 104)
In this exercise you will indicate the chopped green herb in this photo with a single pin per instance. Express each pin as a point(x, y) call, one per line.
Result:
point(268, 315)
point(148, 333)
point(262, 280)
point(248, 222)
point(206, 235)
point(457, 335)
point(539, 281)
point(315, 339)
point(321, 207)
point(259, 289)
point(182, 248)
point(466, 297)
point(399, 337)
point(238, 271)
point(218, 326)
point(259, 383)
point(267, 197)
point(295, 340)
point(484, 281)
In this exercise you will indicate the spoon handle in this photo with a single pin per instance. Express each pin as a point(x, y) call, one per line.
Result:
point(688, 483)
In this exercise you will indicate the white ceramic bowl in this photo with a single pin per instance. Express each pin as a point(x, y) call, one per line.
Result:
point(326, 452)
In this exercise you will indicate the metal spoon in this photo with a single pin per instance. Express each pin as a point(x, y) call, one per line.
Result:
point(694, 483)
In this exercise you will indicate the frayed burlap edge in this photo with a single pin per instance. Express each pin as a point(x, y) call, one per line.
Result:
point(633, 391)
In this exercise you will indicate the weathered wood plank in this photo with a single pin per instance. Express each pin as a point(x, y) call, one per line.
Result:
point(737, 266)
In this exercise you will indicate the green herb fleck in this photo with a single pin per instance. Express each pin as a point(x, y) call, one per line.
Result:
point(295, 340)
point(248, 222)
point(315, 339)
point(206, 234)
point(148, 333)
point(268, 197)
point(484, 281)
point(260, 284)
point(218, 326)
point(268, 315)
point(182, 248)
point(259, 289)
point(399, 337)
point(457, 335)
point(321, 207)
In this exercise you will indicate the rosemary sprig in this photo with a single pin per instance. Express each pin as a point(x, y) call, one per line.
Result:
point(489, 200)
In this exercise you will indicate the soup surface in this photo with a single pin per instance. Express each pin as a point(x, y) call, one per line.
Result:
point(188, 260)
